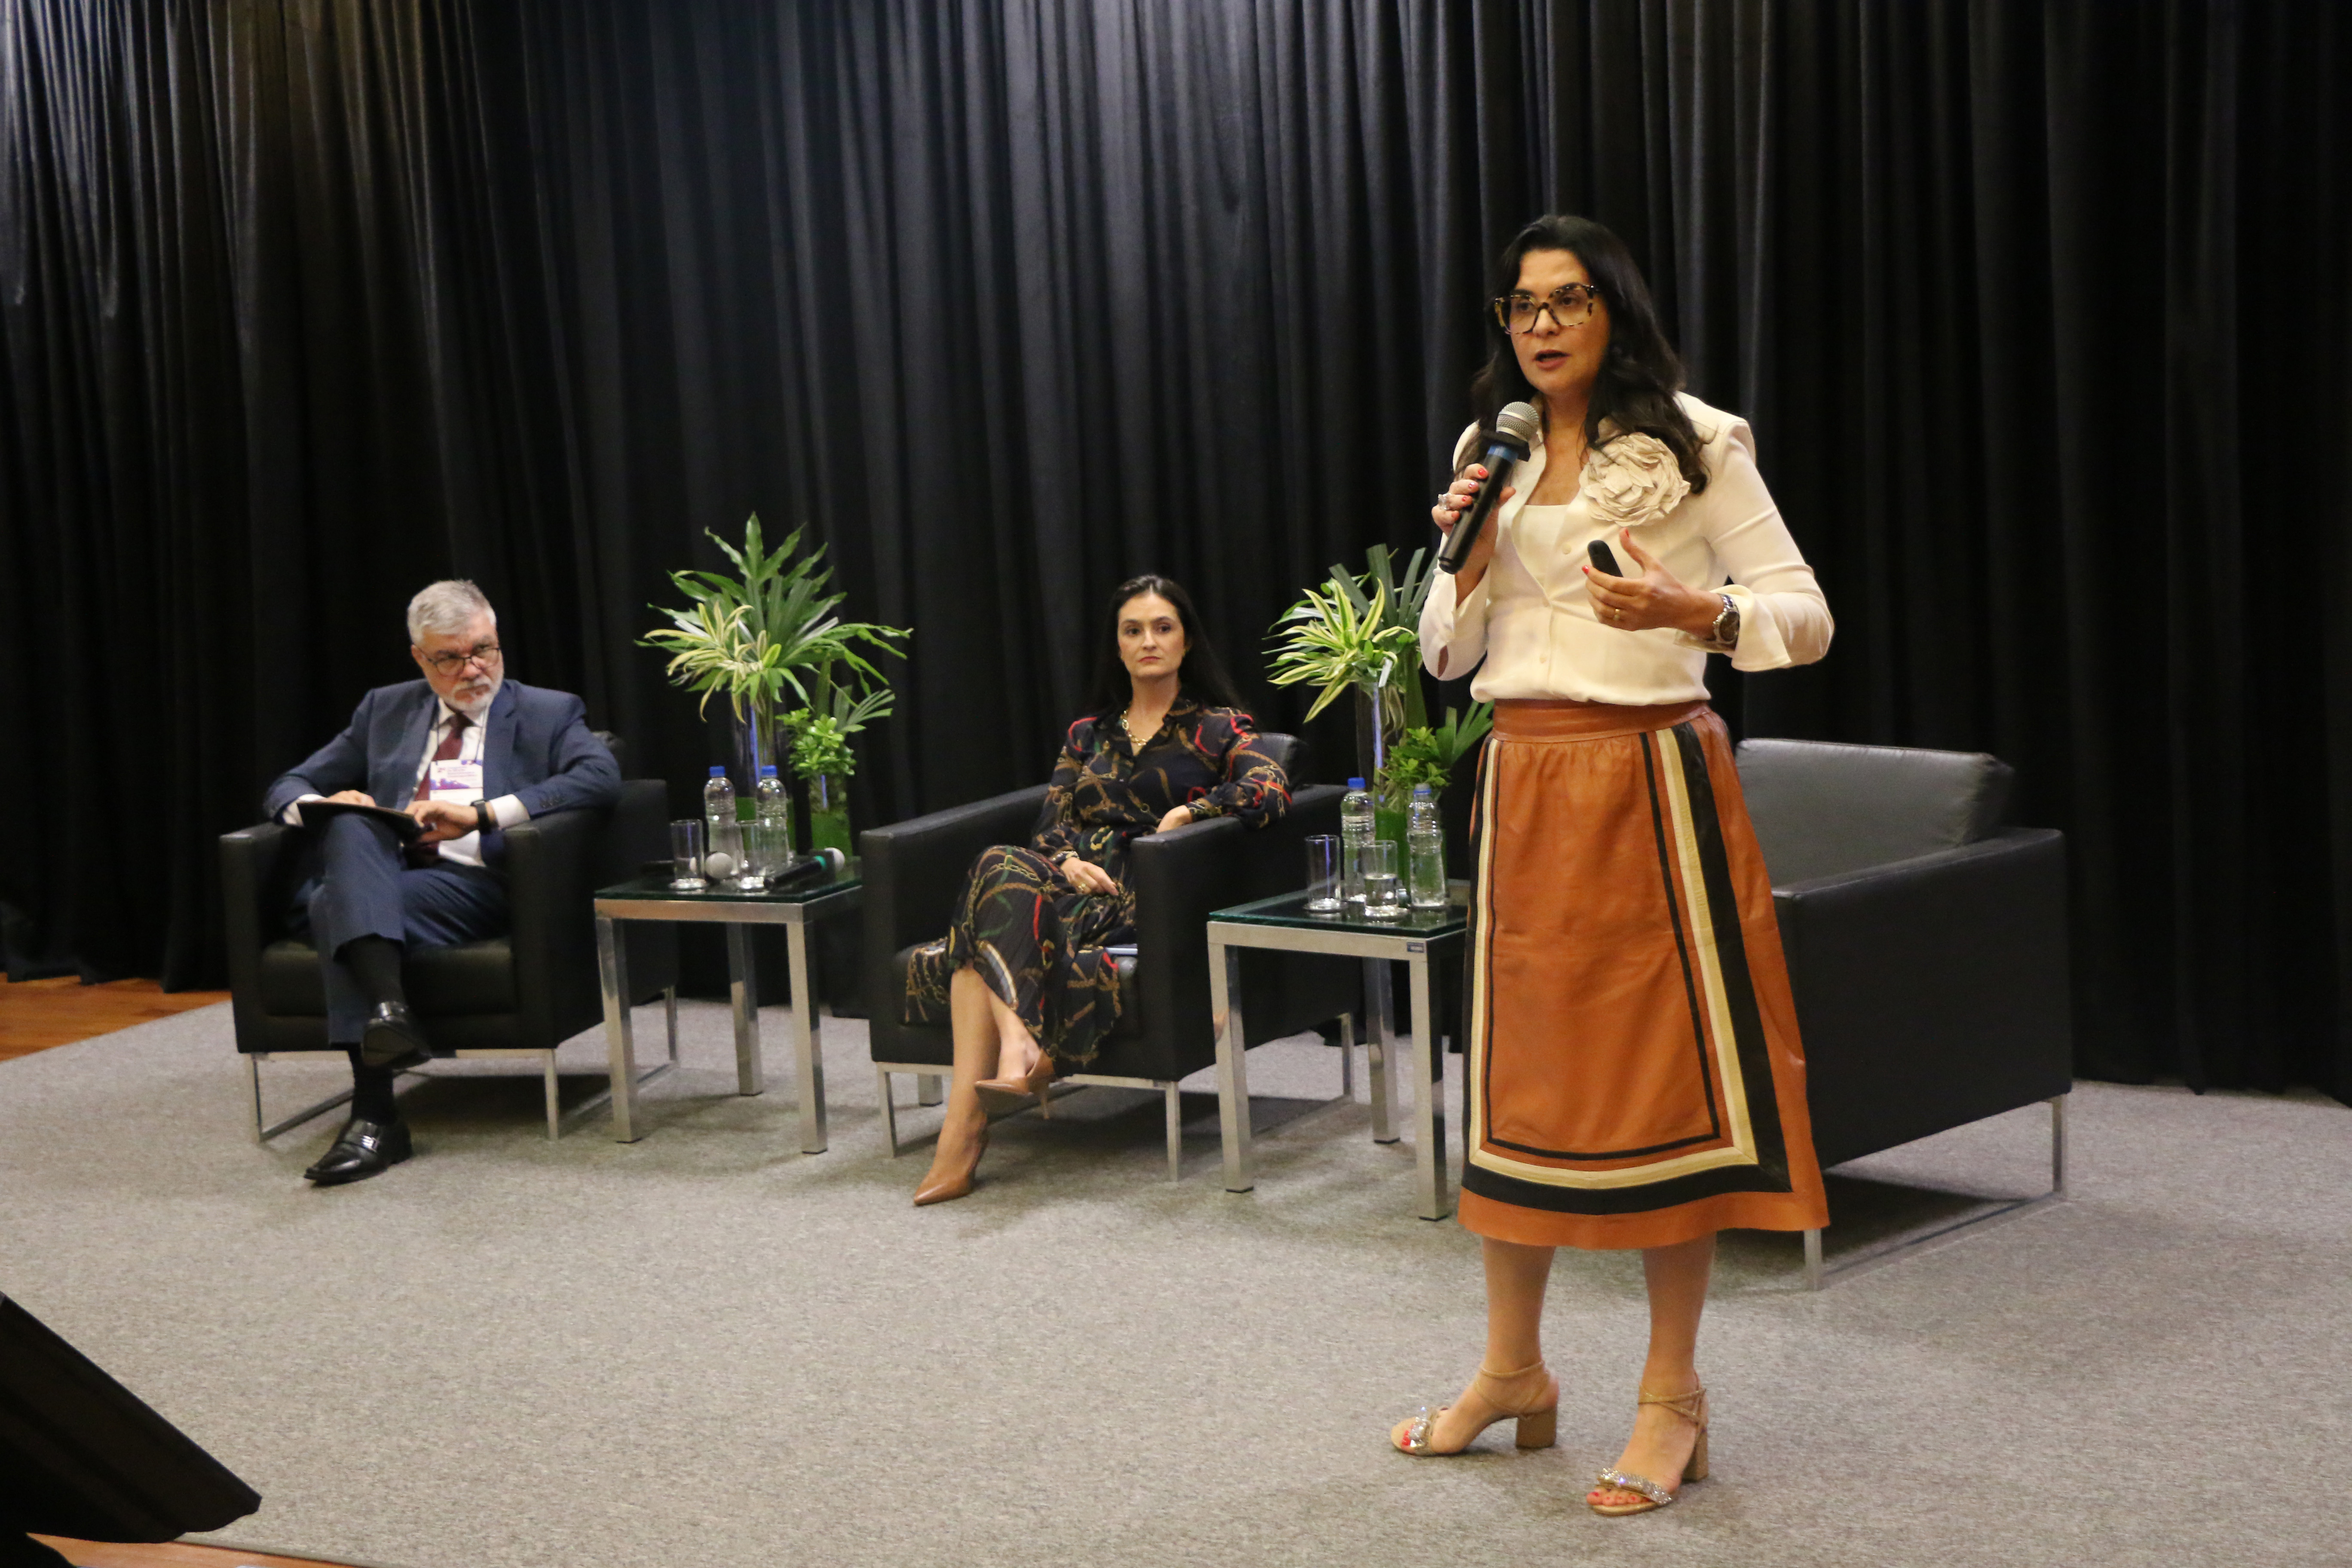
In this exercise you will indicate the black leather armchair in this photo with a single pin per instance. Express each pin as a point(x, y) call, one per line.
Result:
point(1927, 942)
point(521, 995)
point(914, 871)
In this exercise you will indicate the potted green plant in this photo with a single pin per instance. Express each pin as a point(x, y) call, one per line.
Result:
point(837, 709)
point(1362, 634)
point(753, 637)
point(1430, 754)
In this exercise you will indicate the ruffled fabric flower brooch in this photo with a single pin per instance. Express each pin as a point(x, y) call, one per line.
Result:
point(1631, 479)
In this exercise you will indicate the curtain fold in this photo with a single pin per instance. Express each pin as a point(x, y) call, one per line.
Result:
point(2037, 306)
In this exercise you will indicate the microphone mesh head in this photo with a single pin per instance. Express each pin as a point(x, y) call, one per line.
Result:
point(1519, 422)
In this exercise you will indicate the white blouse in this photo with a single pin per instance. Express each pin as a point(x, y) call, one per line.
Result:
point(1532, 622)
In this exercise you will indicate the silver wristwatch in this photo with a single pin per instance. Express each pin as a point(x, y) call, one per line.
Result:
point(1725, 632)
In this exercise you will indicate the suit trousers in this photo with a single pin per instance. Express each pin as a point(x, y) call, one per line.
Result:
point(365, 888)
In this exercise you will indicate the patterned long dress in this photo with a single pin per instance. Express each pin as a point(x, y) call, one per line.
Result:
point(1039, 943)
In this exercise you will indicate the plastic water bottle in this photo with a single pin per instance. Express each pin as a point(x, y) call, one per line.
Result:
point(771, 806)
point(774, 801)
point(1425, 840)
point(719, 798)
point(1355, 833)
point(722, 839)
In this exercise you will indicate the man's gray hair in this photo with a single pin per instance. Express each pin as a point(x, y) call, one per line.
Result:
point(446, 608)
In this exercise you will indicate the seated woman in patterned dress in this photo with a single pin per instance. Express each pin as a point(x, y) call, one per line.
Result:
point(1022, 976)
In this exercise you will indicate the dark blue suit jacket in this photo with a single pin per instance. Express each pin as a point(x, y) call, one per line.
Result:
point(536, 746)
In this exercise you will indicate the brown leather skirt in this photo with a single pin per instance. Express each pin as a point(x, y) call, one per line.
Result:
point(1634, 1074)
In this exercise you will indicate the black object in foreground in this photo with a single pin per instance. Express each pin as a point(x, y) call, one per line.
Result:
point(82, 1456)
point(316, 814)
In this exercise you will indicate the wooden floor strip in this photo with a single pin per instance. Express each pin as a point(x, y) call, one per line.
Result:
point(169, 1555)
point(36, 1015)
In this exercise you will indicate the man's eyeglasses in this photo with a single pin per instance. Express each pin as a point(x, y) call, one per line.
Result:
point(1571, 306)
point(485, 654)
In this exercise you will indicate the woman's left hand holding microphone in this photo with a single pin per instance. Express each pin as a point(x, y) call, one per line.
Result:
point(1656, 598)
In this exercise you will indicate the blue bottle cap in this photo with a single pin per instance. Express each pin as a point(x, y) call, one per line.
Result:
point(1420, 792)
point(767, 769)
point(719, 773)
point(1355, 783)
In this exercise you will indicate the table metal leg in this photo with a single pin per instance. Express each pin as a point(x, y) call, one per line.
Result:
point(1380, 1048)
point(1428, 1095)
point(2058, 1146)
point(1347, 1056)
point(1232, 1069)
point(807, 1056)
point(743, 991)
point(613, 969)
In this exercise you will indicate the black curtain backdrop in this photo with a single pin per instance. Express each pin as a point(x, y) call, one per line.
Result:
point(2039, 311)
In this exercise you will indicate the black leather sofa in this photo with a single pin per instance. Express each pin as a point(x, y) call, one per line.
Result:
point(518, 996)
point(1927, 942)
point(914, 871)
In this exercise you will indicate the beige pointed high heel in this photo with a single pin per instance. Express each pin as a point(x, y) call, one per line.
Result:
point(1691, 1407)
point(1001, 1094)
point(1538, 1427)
point(957, 1184)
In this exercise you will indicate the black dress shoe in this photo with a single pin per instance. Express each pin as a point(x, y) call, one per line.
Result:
point(366, 1148)
point(393, 1039)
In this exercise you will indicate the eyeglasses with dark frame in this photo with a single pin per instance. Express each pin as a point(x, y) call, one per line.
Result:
point(1570, 305)
point(485, 654)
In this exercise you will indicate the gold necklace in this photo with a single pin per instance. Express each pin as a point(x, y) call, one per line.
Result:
point(1127, 722)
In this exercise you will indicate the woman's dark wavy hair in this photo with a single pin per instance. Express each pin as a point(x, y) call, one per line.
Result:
point(1201, 677)
point(1640, 374)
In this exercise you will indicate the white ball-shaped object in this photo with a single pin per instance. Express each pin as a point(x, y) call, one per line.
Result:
point(719, 864)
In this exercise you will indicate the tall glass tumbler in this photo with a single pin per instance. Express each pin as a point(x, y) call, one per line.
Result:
point(765, 848)
point(685, 854)
point(1323, 875)
point(725, 857)
point(1383, 888)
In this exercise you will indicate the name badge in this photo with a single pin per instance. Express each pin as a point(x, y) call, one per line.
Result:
point(454, 780)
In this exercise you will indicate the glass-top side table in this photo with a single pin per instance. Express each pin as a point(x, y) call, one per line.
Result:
point(795, 908)
point(1284, 924)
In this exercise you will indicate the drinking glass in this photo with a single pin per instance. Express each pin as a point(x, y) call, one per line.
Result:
point(725, 857)
point(765, 848)
point(1383, 890)
point(1323, 875)
point(685, 854)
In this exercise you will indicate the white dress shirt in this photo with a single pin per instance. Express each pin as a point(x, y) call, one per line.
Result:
point(1532, 621)
point(506, 811)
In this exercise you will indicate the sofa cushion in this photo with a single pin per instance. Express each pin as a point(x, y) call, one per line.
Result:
point(1821, 808)
point(476, 977)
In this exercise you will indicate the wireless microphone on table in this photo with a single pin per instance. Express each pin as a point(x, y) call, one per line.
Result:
point(1516, 429)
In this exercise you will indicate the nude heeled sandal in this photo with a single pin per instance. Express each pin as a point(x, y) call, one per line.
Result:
point(1691, 1407)
point(1536, 1429)
point(995, 1091)
point(946, 1189)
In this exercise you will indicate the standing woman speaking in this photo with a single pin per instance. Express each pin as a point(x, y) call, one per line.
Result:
point(1634, 1077)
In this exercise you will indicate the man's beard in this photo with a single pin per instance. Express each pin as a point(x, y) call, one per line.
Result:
point(475, 707)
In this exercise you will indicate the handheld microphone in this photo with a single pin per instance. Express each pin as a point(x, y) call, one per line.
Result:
point(1516, 429)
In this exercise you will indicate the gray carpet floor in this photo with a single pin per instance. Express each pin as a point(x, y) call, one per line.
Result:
point(705, 1348)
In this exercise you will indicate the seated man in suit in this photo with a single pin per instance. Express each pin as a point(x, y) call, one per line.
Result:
point(467, 753)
